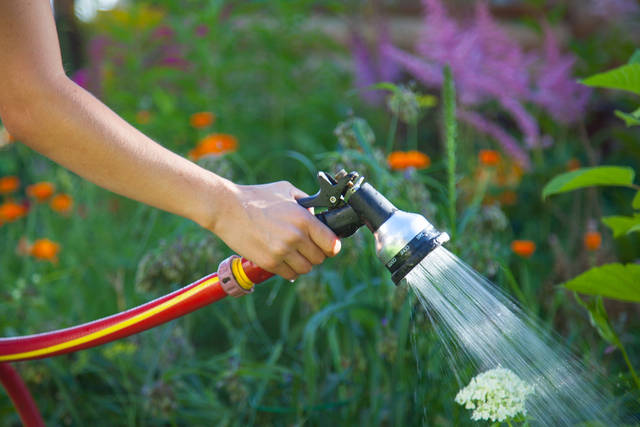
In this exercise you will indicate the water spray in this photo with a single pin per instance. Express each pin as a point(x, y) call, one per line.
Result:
point(402, 241)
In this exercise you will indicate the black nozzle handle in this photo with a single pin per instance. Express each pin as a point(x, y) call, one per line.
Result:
point(371, 206)
point(343, 221)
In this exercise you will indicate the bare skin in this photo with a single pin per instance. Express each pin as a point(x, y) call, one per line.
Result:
point(44, 109)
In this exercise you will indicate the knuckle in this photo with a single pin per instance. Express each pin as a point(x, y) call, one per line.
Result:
point(280, 249)
point(284, 185)
point(294, 237)
point(300, 219)
point(271, 263)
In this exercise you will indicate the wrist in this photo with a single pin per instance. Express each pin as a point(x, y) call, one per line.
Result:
point(220, 195)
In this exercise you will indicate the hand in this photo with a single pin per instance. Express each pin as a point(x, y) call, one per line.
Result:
point(265, 224)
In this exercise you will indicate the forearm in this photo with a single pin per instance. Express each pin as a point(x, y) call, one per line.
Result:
point(51, 114)
point(67, 124)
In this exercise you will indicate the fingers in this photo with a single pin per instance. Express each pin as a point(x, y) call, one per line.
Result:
point(312, 252)
point(298, 263)
point(324, 238)
point(293, 266)
point(283, 270)
point(320, 234)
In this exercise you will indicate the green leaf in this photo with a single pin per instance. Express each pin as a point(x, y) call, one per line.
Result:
point(636, 201)
point(163, 101)
point(426, 101)
point(626, 77)
point(600, 320)
point(630, 119)
point(616, 281)
point(634, 229)
point(621, 225)
point(385, 86)
point(588, 177)
point(635, 58)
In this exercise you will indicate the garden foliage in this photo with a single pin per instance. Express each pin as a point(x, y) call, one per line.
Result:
point(256, 92)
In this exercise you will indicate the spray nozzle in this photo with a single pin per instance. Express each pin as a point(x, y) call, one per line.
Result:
point(403, 239)
point(333, 195)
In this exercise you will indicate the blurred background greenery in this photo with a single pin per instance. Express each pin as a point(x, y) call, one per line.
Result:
point(264, 91)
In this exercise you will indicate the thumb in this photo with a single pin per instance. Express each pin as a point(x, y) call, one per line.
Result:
point(320, 234)
point(298, 194)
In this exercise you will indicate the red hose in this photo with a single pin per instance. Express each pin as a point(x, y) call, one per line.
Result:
point(255, 273)
point(176, 304)
point(156, 312)
point(20, 396)
point(183, 301)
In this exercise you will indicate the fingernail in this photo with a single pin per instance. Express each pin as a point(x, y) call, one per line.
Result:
point(336, 246)
point(292, 280)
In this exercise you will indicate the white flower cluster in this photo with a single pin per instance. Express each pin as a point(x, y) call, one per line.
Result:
point(495, 395)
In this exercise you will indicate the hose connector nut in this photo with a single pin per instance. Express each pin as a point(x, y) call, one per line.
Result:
point(231, 278)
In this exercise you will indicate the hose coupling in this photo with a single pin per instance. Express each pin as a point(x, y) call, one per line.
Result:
point(233, 278)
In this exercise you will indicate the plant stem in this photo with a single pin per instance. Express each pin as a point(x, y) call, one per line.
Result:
point(413, 135)
point(628, 362)
point(392, 133)
point(509, 423)
point(449, 98)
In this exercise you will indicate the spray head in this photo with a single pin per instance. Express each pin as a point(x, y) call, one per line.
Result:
point(403, 239)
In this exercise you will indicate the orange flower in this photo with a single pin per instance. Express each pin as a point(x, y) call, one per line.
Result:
point(400, 160)
point(524, 248)
point(10, 211)
point(62, 203)
point(592, 240)
point(9, 184)
point(489, 157)
point(143, 117)
point(202, 119)
point(214, 144)
point(41, 191)
point(45, 249)
point(573, 164)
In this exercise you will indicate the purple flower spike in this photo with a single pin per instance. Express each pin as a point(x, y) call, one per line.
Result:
point(508, 143)
point(487, 65)
point(372, 66)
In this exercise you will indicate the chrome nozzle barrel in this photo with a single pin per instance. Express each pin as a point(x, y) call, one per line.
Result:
point(403, 240)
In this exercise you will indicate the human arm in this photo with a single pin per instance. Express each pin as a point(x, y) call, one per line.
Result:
point(44, 109)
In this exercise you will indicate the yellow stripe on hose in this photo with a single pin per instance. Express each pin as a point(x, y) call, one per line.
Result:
point(113, 328)
point(241, 277)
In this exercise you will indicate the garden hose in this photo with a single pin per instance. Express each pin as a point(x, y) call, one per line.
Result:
point(402, 241)
point(236, 276)
point(209, 289)
point(20, 396)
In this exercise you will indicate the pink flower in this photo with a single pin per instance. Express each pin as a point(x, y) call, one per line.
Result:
point(488, 65)
point(372, 65)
